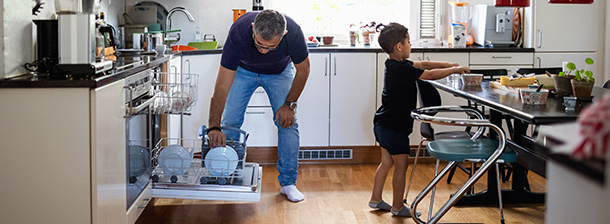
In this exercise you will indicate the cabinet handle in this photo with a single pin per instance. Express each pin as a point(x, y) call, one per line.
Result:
point(539, 62)
point(502, 57)
point(427, 58)
point(175, 68)
point(539, 38)
point(419, 59)
point(325, 66)
point(147, 200)
point(335, 68)
point(250, 112)
point(189, 66)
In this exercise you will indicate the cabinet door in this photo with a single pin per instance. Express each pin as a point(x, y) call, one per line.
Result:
point(352, 98)
point(206, 66)
point(566, 27)
point(108, 167)
point(544, 60)
point(313, 110)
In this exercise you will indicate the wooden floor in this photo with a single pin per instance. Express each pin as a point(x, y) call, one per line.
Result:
point(337, 194)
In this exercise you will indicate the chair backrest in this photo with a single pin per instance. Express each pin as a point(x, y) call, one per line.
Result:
point(553, 70)
point(428, 97)
point(607, 84)
point(490, 73)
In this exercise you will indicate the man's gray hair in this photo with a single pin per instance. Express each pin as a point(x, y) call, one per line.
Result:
point(269, 23)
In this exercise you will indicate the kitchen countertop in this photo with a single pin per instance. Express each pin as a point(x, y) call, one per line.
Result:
point(122, 67)
point(146, 62)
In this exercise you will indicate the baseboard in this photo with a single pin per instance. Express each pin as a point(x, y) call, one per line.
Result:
point(360, 155)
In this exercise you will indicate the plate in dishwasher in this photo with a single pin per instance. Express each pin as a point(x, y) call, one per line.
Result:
point(246, 188)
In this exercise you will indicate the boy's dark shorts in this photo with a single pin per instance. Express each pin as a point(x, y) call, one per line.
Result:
point(393, 141)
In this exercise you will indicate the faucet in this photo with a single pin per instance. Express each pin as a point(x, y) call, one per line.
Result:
point(168, 21)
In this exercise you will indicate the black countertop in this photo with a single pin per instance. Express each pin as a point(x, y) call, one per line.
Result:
point(147, 62)
point(124, 66)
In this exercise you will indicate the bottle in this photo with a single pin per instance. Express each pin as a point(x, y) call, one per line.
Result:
point(198, 36)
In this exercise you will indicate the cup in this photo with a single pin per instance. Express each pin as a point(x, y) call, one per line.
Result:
point(161, 49)
point(569, 102)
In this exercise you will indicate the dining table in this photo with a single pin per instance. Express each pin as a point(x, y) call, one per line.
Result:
point(504, 104)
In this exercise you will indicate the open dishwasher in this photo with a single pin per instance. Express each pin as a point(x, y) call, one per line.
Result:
point(178, 170)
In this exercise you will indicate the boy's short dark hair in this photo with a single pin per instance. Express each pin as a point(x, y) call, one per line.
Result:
point(391, 35)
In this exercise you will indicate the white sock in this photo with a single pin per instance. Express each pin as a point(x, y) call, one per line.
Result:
point(292, 193)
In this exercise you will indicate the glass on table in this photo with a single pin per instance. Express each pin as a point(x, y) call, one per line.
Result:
point(569, 102)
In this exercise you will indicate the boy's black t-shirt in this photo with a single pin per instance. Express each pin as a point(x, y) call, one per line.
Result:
point(399, 96)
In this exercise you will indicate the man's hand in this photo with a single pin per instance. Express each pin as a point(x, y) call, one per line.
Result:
point(217, 139)
point(285, 115)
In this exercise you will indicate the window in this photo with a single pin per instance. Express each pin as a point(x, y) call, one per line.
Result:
point(428, 19)
point(334, 17)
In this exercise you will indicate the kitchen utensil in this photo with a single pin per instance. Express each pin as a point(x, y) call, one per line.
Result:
point(205, 45)
point(539, 87)
point(221, 161)
point(175, 159)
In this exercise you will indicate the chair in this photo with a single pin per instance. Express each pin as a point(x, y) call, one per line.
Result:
point(428, 97)
point(476, 149)
point(553, 70)
point(606, 85)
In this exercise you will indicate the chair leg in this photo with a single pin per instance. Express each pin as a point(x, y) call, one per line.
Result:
point(450, 176)
point(499, 193)
point(413, 169)
point(438, 162)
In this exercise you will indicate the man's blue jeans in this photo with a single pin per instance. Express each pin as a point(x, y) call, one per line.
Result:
point(277, 87)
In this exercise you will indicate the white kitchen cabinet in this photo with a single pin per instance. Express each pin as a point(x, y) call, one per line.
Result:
point(457, 57)
point(68, 145)
point(352, 98)
point(565, 27)
point(206, 66)
point(313, 110)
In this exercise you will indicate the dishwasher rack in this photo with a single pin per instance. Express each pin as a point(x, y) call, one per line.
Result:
point(174, 93)
point(190, 170)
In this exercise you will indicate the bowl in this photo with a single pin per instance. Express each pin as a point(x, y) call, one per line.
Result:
point(221, 161)
point(472, 79)
point(546, 81)
point(532, 97)
point(174, 159)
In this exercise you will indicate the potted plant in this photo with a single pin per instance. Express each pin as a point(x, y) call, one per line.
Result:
point(323, 20)
point(583, 81)
point(563, 86)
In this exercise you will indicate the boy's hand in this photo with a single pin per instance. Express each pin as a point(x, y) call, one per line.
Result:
point(462, 69)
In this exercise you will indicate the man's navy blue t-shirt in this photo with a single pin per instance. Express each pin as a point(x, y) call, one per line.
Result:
point(239, 48)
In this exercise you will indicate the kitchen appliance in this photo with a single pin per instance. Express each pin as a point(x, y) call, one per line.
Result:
point(139, 130)
point(77, 43)
point(47, 52)
point(492, 25)
point(257, 5)
point(460, 16)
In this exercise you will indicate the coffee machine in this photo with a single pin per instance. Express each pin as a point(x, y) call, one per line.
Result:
point(492, 25)
point(77, 39)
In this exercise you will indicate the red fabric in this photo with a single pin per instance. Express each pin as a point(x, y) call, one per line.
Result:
point(595, 129)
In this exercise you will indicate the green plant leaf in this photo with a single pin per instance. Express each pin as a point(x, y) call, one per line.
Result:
point(589, 75)
point(561, 74)
point(577, 75)
point(589, 61)
point(571, 66)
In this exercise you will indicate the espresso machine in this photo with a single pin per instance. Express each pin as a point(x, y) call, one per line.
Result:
point(77, 39)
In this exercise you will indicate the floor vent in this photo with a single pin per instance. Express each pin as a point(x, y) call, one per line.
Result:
point(320, 154)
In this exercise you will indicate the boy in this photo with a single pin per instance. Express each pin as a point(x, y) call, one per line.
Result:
point(393, 122)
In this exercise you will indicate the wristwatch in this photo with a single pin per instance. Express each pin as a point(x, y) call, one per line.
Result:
point(292, 105)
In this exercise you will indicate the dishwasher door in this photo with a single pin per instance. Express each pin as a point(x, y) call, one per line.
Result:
point(190, 186)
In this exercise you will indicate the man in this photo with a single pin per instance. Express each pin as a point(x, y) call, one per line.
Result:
point(263, 49)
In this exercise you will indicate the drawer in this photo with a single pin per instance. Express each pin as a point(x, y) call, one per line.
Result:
point(136, 209)
point(258, 121)
point(501, 58)
point(259, 98)
point(510, 68)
